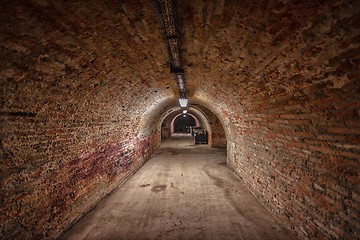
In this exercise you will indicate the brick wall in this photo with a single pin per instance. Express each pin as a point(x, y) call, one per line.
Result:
point(55, 167)
point(50, 176)
point(217, 136)
point(71, 107)
point(303, 165)
point(83, 86)
point(284, 80)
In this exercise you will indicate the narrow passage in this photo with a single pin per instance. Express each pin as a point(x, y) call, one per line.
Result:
point(185, 191)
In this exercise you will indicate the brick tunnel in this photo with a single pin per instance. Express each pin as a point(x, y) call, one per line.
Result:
point(90, 91)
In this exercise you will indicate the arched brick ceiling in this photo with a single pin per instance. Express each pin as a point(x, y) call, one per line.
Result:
point(249, 53)
point(85, 83)
point(198, 115)
point(106, 57)
point(233, 52)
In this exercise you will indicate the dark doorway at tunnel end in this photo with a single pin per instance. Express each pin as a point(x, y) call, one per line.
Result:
point(184, 123)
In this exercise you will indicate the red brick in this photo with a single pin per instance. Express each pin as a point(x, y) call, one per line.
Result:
point(83, 97)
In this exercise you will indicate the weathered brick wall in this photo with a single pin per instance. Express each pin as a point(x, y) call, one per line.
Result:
point(284, 78)
point(72, 101)
point(304, 165)
point(217, 136)
point(39, 200)
point(83, 85)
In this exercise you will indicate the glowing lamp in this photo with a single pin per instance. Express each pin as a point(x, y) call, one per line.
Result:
point(183, 102)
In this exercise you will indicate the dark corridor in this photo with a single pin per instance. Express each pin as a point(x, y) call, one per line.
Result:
point(183, 124)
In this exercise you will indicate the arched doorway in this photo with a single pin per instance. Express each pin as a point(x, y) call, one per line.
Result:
point(204, 118)
point(183, 123)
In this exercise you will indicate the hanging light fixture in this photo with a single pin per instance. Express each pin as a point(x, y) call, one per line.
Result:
point(183, 102)
point(169, 20)
point(185, 111)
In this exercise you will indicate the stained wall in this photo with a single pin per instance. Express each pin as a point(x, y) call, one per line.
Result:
point(85, 86)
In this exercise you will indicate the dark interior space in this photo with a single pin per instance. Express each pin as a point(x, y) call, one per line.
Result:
point(183, 124)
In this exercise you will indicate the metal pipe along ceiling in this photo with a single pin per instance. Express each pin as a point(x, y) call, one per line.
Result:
point(168, 14)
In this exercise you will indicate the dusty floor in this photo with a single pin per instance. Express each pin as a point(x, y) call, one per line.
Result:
point(184, 191)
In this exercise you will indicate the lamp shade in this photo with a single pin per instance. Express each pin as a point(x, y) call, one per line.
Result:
point(183, 102)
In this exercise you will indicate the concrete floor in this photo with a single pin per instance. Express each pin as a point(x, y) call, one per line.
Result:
point(184, 191)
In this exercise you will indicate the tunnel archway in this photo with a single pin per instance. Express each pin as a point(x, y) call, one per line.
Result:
point(85, 88)
point(183, 123)
point(206, 118)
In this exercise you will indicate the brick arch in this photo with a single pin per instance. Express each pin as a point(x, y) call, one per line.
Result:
point(197, 123)
point(217, 134)
point(87, 86)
